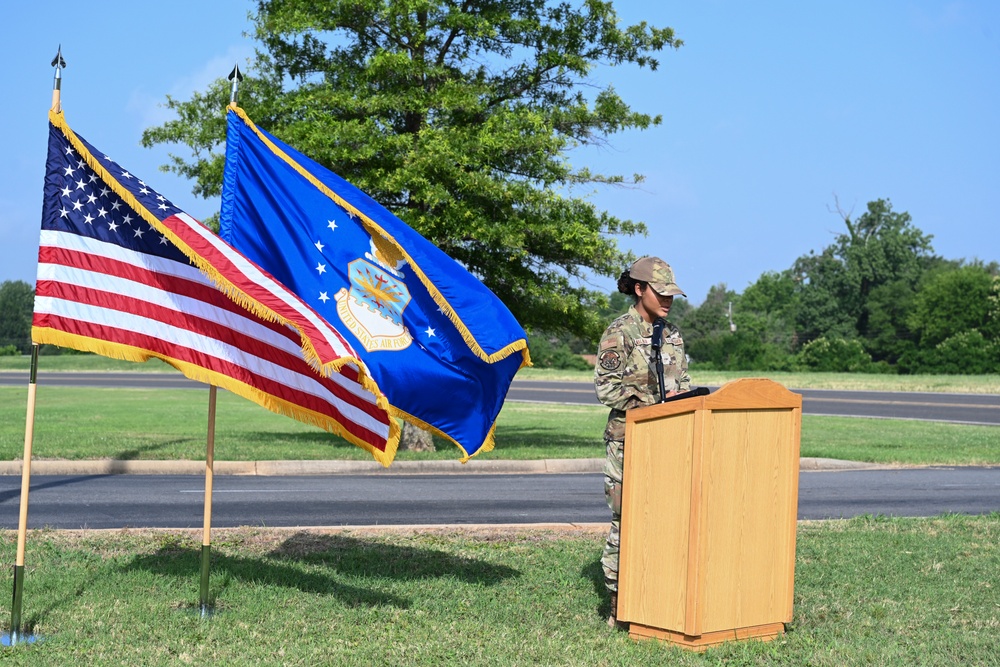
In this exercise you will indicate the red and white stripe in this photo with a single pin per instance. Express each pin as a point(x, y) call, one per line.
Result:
point(253, 281)
point(109, 293)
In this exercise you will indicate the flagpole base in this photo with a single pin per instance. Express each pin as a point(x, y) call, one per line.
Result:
point(18, 638)
point(204, 603)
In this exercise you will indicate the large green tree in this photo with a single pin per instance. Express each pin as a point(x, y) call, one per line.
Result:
point(706, 327)
point(457, 115)
point(881, 256)
point(767, 309)
point(823, 297)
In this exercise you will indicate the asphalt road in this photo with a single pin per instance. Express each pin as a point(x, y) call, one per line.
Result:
point(958, 408)
point(176, 501)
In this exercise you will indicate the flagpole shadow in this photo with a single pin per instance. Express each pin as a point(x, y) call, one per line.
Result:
point(134, 453)
point(320, 564)
point(62, 481)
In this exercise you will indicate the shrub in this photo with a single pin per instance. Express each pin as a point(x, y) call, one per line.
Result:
point(553, 353)
point(836, 355)
point(965, 353)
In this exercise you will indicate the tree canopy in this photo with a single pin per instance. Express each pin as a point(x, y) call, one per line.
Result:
point(875, 300)
point(458, 116)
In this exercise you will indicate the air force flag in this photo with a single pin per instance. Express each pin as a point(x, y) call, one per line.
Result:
point(442, 348)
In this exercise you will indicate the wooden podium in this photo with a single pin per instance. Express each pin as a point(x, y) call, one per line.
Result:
point(709, 503)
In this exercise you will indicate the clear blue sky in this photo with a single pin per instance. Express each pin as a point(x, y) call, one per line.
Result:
point(773, 112)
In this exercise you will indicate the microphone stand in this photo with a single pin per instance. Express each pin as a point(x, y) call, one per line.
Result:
point(657, 345)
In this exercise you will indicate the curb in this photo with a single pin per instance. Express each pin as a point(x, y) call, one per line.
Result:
point(277, 468)
point(811, 464)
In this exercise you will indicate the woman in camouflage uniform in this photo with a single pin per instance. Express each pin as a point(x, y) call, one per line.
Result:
point(625, 377)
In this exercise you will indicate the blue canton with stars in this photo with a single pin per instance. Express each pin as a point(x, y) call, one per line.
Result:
point(79, 201)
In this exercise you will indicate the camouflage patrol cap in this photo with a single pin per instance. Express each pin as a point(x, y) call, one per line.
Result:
point(658, 274)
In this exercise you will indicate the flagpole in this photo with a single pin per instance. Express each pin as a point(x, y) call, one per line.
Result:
point(22, 524)
point(29, 435)
point(206, 535)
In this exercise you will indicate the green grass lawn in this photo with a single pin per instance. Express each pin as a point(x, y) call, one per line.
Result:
point(83, 363)
point(90, 423)
point(868, 591)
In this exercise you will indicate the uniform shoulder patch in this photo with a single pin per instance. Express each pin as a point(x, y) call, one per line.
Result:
point(610, 360)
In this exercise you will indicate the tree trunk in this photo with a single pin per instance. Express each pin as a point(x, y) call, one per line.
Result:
point(415, 439)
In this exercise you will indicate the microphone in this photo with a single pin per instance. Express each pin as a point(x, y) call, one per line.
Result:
point(697, 391)
point(658, 325)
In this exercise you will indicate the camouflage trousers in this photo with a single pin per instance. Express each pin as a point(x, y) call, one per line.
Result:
point(613, 493)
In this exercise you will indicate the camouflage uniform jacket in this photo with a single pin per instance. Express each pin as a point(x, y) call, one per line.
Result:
point(625, 374)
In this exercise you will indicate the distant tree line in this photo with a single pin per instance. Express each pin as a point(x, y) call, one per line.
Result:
point(17, 302)
point(877, 300)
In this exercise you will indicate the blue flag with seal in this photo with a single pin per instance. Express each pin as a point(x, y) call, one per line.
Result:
point(441, 346)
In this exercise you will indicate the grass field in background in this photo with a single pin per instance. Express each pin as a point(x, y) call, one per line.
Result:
point(951, 384)
point(92, 423)
point(868, 591)
point(973, 384)
point(83, 363)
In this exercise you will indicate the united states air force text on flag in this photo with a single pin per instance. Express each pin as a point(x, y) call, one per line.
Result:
point(442, 347)
point(124, 273)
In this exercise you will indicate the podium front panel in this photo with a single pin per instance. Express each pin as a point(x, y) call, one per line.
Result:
point(656, 490)
point(748, 492)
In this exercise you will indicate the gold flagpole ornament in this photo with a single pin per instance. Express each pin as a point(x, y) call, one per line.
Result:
point(58, 63)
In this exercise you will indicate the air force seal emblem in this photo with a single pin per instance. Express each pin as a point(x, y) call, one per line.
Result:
point(373, 307)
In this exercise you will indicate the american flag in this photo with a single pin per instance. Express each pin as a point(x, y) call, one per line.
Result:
point(124, 273)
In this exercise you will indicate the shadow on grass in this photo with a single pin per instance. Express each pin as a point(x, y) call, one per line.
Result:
point(135, 453)
point(186, 563)
point(529, 437)
point(318, 438)
point(320, 564)
point(594, 573)
point(31, 622)
point(355, 557)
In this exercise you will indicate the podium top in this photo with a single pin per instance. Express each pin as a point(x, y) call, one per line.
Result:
point(743, 394)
